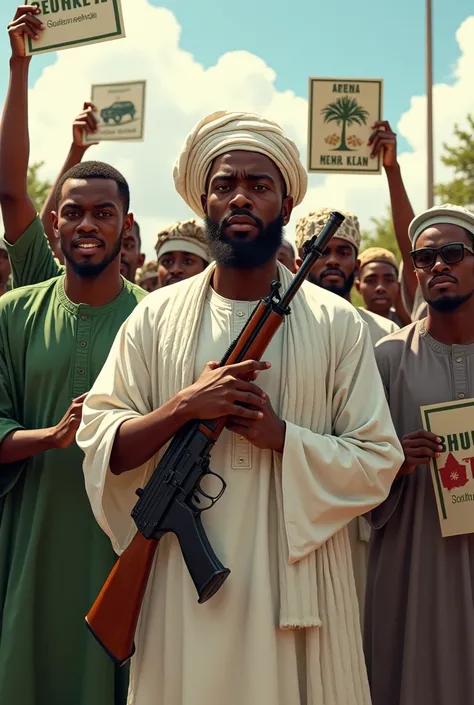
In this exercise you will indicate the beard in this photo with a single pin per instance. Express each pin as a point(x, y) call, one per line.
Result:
point(89, 270)
point(447, 304)
point(338, 290)
point(240, 254)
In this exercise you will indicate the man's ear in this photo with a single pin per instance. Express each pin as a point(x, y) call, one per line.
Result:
point(357, 285)
point(298, 262)
point(204, 202)
point(286, 209)
point(128, 222)
point(54, 220)
point(141, 259)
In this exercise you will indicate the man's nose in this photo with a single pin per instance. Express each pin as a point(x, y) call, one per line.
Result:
point(87, 224)
point(241, 200)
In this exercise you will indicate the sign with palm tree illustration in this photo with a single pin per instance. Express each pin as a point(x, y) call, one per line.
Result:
point(341, 114)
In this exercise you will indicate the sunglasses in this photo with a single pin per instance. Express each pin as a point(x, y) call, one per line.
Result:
point(450, 254)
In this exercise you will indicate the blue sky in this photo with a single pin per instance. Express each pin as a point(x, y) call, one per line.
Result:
point(311, 37)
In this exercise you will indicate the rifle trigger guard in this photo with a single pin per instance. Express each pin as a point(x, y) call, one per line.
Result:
point(212, 499)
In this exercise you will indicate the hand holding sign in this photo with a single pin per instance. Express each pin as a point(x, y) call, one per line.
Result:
point(24, 23)
point(383, 139)
point(85, 123)
point(419, 447)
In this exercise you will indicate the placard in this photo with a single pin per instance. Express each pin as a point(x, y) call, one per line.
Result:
point(120, 111)
point(341, 114)
point(453, 472)
point(72, 23)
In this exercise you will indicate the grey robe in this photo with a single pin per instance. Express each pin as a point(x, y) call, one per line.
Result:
point(419, 610)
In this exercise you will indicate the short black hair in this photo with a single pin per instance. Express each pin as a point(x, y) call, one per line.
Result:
point(96, 170)
point(139, 237)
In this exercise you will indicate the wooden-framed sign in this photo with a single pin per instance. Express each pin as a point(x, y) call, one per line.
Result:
point(453, 472)
point(120, 111)
point(72, 23)
point(341, 114)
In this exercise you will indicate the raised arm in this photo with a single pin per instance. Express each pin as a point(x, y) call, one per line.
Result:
point(383, 138)
point(85, 122)
point(18, 210)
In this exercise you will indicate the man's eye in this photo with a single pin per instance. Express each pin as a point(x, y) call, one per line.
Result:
point(71, 214)
point(260, 187)
point(104, 214)
point(222, 188)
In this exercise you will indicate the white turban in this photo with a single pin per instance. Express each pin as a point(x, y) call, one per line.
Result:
point(224, 132)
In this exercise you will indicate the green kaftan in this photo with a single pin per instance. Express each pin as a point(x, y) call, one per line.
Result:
point(53, 556)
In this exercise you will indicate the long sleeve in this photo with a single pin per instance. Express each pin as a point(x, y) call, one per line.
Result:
point(9, 473)
point(328, 479)
point(122, 391)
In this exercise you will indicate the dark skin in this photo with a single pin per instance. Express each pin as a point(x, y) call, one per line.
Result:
point(175, 266)
point(384, 140)
point(286, 256)
point(130, 256)
point(448, 327)
point(339, 258)
point(237, 180)
point(90, 212)
point(251, 181)
point(378, 285)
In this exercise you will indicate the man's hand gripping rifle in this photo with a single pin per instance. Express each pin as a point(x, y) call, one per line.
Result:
point(173, 498)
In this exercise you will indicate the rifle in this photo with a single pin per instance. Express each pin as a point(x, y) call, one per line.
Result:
point(173, 498)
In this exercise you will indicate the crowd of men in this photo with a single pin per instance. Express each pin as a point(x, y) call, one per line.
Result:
point(342, 591)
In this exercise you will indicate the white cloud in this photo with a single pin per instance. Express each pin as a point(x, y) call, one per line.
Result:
point(180, 91)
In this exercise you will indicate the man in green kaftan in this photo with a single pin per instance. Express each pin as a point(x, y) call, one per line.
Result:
point(54, 339)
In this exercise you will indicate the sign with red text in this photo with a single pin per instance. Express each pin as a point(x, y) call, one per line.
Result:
point(453, 472)
point(72, 23)
point(341, 114)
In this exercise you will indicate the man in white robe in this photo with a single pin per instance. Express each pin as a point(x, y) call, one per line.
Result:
point(315, 448)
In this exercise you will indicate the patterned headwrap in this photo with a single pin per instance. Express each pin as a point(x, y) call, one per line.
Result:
point(315, 221)
point(185, 236)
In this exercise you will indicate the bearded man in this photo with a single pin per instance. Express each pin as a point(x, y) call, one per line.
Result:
point(419, 615)
point(311, 447)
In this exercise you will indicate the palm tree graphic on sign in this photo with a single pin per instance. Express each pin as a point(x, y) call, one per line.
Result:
point(348, 112)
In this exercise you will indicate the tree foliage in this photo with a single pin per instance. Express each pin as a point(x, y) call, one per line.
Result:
point(461, 159)
point(38, 188)
point(348, 112)
point(382, 235)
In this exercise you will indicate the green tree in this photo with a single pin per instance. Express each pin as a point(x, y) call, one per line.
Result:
point(460, 158)
point(382, 235)
point(346, 111)
point(38, 189)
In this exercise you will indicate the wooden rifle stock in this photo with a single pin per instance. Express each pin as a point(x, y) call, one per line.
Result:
point(112, 624)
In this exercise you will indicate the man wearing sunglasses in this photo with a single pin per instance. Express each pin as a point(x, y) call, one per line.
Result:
point(419, 611)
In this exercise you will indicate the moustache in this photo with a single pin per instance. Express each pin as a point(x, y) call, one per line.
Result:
point(334, 271)
point(445, 276)
point(93, 238)
point(246, 214)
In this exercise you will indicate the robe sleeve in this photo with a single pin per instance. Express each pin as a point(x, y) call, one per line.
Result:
point(9, 472)
point(122, 391)
point(329, 479)
point(380, 515)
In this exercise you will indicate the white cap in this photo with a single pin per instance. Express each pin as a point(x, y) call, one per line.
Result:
point(447, 213)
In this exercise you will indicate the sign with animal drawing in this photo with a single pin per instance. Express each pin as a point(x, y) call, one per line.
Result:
point(120, 111)
point(453, 471)
point(341, 114)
